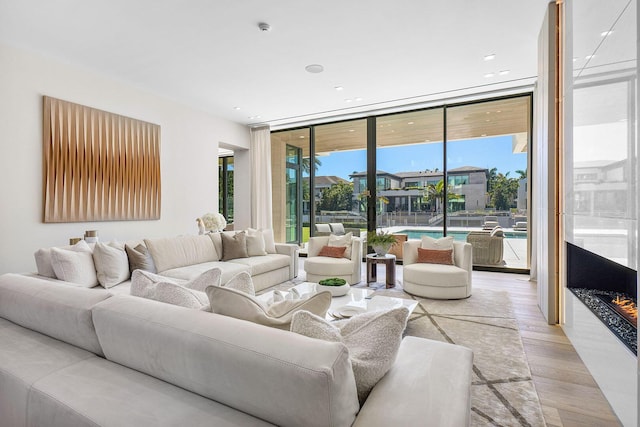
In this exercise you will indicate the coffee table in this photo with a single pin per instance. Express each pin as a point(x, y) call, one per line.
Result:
point(356, 300)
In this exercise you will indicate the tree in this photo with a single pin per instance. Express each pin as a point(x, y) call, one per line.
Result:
point(522, 173)
point(435, 192)
point(338, 197)
point(504, 192)
point(306, 164)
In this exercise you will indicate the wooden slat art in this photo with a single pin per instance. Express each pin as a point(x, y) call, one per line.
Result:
point(98, 166)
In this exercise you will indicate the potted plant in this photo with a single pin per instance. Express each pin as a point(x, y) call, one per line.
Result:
point(381, 242)
point(335, 285)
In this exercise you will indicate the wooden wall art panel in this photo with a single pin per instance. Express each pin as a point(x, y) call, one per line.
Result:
point(98, 166)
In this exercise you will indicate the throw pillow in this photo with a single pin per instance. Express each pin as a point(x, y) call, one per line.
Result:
point(435, 256)
point(208, 278)
point(112, 264)
point(235, 246)
point(269, 240)
point(75, 265)
point(234, 303)
point(43, 263)
point(140, 258)
point(255, 244)
point(332, 251)
point(372, 338)
point(337, 228)
point(344, 240)
point(441, 243)
point(241, 282)
point(160, 288)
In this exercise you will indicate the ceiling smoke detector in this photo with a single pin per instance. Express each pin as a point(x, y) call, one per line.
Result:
point(263, 26)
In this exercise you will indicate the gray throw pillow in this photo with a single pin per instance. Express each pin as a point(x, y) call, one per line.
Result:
point(140, 258)
point(373, 339)
point(235, 246)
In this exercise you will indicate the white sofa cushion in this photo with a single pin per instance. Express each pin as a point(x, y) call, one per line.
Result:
point(112, 264)
point(438, 274)
point(181, 251)
point(328, 266)
point(263, 264)
point(152, 286)
point(75, 265)
point(372, 338)
point(231, 361)
point(54, 309)
point(442, 243)
point(255, 243)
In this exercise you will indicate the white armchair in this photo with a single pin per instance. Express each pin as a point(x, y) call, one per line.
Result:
point(322, 267)
point(438, 281)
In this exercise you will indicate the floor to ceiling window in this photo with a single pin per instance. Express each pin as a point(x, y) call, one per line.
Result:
point(451, 170)
point(225, 187)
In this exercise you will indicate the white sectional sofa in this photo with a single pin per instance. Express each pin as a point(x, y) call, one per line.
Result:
point(186, 257)
point(72, 356)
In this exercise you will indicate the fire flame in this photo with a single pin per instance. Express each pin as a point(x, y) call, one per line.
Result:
point(628, 306)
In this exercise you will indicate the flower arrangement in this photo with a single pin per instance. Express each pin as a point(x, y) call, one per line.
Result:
point(212, 222)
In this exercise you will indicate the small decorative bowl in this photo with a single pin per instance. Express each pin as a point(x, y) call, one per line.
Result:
point(336, 291)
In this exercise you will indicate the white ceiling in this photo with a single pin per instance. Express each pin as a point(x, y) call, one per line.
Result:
point(210, 54)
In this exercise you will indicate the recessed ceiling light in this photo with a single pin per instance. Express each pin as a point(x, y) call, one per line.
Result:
point(489, 75)
point(351, 130)
point(338, 88)
point(575, 59)
point(314, 68)
point(503, 72)
point(606, 33)
point(589, 56)
point(487, 120)
point(410, 123)
point(484, 134)
point(348, 100)
point(358, 99)
point(236, 108)
point(490, 57)
point(301, 137)
point(254, 117)
point(488, 112)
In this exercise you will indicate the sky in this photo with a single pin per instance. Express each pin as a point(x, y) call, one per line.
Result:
point(484, 153)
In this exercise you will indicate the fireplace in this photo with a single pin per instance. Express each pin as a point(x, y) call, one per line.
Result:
point(608, 289)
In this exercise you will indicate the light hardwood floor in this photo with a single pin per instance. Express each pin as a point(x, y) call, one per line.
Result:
point(568, 393)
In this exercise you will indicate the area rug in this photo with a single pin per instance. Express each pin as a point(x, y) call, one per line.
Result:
point(502, 392)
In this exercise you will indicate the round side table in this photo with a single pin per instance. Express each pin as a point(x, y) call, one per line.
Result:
point(390, 266)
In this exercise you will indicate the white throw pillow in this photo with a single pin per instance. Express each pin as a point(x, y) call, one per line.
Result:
point(372, 338)
point(159, 288)
point(255, 243)
point(43, 263)
point(75, 265)
point(443, 243)
point(112, 264)
point(344, 240)
point(241, 282)
point(269, 240)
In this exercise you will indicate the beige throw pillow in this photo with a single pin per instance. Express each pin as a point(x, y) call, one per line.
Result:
point(255, 244)
point(344, 240)
point(269, 241)
point(140, 258)
point(234, 247)
point(241, 282)
point(373, 339)
point(112, 264)
point(75, 265)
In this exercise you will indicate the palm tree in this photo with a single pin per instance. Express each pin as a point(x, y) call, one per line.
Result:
point(306, 164)
point(436, 192)
point(522, 173)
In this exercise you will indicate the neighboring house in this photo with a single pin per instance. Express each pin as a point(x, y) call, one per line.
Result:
point(601, 188)
point(406, 191)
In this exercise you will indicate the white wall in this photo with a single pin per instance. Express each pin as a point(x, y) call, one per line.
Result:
point(189, 146)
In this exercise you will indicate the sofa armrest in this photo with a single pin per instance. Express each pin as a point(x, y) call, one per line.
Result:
point(410, 252)
point(429, 383)
point(292, 251)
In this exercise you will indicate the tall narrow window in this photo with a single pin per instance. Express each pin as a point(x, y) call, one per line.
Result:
point(225, 187)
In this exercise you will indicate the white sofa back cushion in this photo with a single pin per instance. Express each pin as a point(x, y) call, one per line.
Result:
point(54, 309)
point(232, 361)
point(112, 264)
point(181, 251)
point(75, 265)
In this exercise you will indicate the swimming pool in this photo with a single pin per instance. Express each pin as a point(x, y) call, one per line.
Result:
point(457, 234)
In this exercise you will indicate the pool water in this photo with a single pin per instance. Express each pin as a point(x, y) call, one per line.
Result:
point(457, 235)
